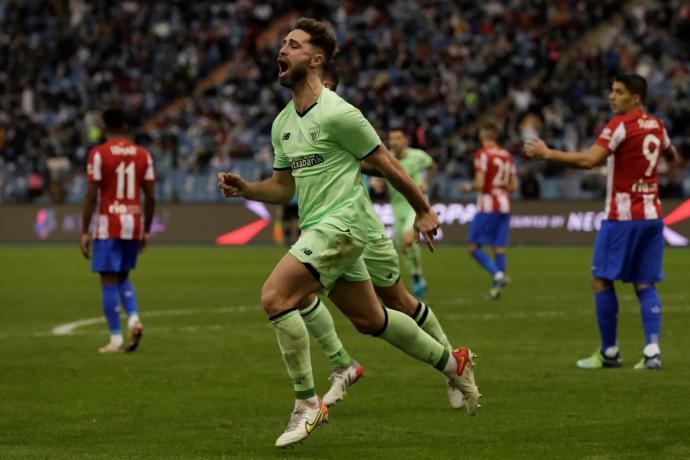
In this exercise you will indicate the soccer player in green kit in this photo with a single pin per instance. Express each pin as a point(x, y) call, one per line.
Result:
point(421, 168)
point(382, 262)
point(319, 141)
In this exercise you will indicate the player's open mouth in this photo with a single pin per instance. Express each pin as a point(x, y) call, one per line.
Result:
point(283, 66)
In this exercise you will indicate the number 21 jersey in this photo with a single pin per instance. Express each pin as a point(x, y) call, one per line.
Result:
point(636, 140)
point(497, 165)
point(120, 168)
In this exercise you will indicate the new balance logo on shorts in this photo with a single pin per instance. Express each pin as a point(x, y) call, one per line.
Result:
point(307, 251)
point(286, 136)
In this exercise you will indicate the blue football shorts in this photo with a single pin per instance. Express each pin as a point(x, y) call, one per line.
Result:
point(630, 251)
point(114, 255)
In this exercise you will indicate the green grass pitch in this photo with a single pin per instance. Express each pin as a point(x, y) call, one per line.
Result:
point(209, 382)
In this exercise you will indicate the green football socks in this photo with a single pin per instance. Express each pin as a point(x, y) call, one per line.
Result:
point(402, 332)
point(426, 319)
point(293, 340)
point(320, 325)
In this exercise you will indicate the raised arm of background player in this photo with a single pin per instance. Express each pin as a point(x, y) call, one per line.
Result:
point(280, 188)
point(595, 156)
point(89, 208)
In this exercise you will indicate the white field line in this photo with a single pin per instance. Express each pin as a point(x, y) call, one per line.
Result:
point(69, 328)
point(72, 327)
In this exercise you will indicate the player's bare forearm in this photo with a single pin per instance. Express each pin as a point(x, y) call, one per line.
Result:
point(431, 172)
point(672, 155)
point(394, 173)
point(269, 191)
point(89, 207)
point(595, 156)
point(370, 170)
point(514, 183)
point(149, 205)
point(278, 189)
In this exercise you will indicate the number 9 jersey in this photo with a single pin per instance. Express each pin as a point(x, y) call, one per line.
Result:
point(636, 141)
point(120, 168)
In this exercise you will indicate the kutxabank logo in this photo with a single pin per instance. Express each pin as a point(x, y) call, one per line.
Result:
point(245, 234)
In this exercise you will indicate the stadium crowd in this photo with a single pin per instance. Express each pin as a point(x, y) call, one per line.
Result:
point(433, 67)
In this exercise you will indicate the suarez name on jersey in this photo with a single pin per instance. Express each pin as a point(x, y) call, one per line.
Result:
point(635, 140)
point(497, 165)
point(120, 168)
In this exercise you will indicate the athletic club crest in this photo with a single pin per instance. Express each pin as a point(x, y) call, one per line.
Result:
point(314, 134)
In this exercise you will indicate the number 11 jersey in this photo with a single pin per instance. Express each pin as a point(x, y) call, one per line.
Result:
point(120, 168)
point(635, 140)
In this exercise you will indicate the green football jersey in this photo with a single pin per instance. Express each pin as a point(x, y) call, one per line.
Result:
point(415, 162)
point(323, 147)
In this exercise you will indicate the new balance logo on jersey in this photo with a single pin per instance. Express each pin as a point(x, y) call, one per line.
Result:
point(286, 136)
point(305, 162)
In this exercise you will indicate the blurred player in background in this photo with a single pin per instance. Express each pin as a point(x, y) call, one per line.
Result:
point(382, 262)
point(494, 180)
point(421, 167)
point(118, 170)
point(630, 244)
point(319, 142)
point(290, 222)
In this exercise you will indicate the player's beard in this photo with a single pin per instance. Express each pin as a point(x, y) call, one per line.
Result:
point(295, 74)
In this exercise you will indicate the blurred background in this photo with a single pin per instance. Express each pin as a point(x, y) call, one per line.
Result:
point(201, 78)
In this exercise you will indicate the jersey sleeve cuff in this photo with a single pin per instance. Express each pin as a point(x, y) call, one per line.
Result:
point(285, 168)
point(370, 152)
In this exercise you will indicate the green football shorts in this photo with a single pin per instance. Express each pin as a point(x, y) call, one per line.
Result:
point(331, 252)
point(403, 223)
point(382, 263)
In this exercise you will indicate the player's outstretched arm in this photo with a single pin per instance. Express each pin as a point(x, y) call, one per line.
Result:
point(88, 208)
point(427, 222)
point(595, 156)
point(279, 189)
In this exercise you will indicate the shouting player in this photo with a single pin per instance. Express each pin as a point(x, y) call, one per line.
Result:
point(494, 180)
point(118, 171)
point(383, 266)
point(421, 167)
point(630, 243)
point(319, 142)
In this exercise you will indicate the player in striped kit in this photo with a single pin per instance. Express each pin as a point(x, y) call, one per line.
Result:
point(630, 243)
point(118, 170)
point(494, 180)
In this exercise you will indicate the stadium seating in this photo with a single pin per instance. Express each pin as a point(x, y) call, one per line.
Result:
point(451, 63)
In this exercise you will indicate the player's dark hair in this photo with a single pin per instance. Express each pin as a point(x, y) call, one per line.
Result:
point(397, 128)
point(321, 36)
point(492, 126)
point(330, 73)
point(115, 119)
point(634, 84)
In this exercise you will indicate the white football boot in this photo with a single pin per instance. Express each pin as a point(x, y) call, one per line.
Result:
point(342, 379)
point(303, 421)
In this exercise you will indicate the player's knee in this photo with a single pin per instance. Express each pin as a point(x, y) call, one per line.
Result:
point(471, 248)
point(367, 326)
point(600, 284)
point(273, 301)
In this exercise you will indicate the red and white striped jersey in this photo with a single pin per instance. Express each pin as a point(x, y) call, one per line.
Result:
point(497, 165)
point(636, 140)
point(120, 169)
